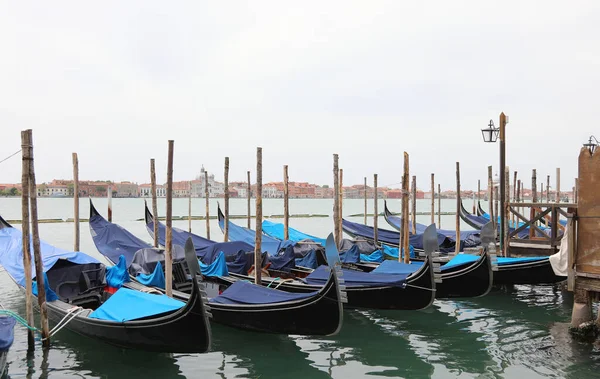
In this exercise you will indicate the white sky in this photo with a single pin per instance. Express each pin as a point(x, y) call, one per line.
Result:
point(114, 80)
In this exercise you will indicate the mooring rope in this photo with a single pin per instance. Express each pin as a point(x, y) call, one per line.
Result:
point(10, 156)
point(421, 288)
point(19, 319)
point(70, 316)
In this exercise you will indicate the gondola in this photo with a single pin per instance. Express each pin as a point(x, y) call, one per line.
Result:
point(7, 325)
point(77, 299)
point(463, 276)
point(238, 303)
point(480, 211)
point(408, 291)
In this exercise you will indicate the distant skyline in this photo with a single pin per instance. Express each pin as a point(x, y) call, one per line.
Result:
point(114, 81)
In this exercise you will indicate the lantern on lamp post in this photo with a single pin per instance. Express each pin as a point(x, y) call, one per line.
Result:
point(591, 145)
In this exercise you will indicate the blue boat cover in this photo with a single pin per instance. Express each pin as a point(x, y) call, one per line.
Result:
point(7, 332)
point(309, 260)
point(242, 292)
point(395, 267)
point(50, 295)
point(117, 275)
point(460, 260)
point(354, 278)
point(156, 279)
point(126, 305)
point(285, 260)
point(112, 240)
point(179, 236)
point(276, 230)
point(268, 244)
point(11, 255)
point(376, 256)
point(350, 256)
point(507, 261)
point(396, 221)
point(217, 268)
point(393, 251)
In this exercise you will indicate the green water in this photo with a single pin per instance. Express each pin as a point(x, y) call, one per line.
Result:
point(514, 333)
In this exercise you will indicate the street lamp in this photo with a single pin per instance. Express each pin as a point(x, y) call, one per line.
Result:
point(590, 145)
point(491, 134)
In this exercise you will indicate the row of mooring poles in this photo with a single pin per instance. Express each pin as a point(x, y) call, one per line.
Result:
point(29, 213)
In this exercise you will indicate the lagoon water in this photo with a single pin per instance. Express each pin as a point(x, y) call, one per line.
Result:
point(519, 332)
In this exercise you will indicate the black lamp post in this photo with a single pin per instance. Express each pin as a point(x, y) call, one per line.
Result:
point(591, 145)
point(491, 135)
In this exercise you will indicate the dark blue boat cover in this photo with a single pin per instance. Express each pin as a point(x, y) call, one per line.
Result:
point(11, 255)
point(284, 260)
point(126, 305)
point(354, 278)
point(50, 295)
point(117, 275)
point(242, 292)
point(395, 267)
point(216, 268)
point(393, 251)
point(469, 235)
point(7, 332)
point(179, 236)
point(276, 230)
point(155, 279)
point(502, 261)
point(309, 260)
point(350, 256)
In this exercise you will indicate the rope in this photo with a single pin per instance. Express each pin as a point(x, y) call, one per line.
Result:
point(19, 319)
point(277, 278)
point(10, 156)
point(70, 316)
point(421, 288)
point(150, 290)
point(283, 281)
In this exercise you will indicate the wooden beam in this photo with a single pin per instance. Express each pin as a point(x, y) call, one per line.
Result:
point(506, 184)
point(432, 199)
point(491, 197)
point(558, 184)
point(258, 234)
point(365, 220)
point(405, 188)
point(341, 204)
point(336, 199)
point(414, 204)
point(189, 207)
point(457, 247)
point(76, 201)
point(206, 199)
point(286, 210)
point(439, 206)
point(226, 201)
point(249, 195)
point(154, 201)
point(109, 196)
point(169, 222)
point(26, 157)
point(375, 211)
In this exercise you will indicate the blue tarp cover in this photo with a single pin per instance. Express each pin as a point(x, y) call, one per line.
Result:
point(309, 260)
point(376, 256)
point(276, 230)
point(216, 268)
point(11, 255)
point(117, 274)
point(156, 279)
point(393, 251)
point(7, 335)
point(507, 261)
point(126, 305)
point(460, 260)
point(354, 278)
point(350, 256)
point(268, 244)
point(242, 292)
point(50, 295)
point(395, 267)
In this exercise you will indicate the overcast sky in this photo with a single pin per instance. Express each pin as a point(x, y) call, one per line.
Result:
point(114, 81)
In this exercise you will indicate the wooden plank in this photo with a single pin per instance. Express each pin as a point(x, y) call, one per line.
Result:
point(529, 223)
point(414, 204)
point(341, 204)
point(457, 249)
point(76, 201)
point(432, 199)
point(336, 199)
point(189, 207)
point(558, 184)
point(248, 196)
point(258, 234)
point(286, 210)
point(154, 200)
point(544, 205)
point(226, 201)
point(571, 255)
point(169, 222)
point(439, 206)
point(405, 233)
point(376, 212)
point(26, 157)
point(206, 196)
point(365, 187)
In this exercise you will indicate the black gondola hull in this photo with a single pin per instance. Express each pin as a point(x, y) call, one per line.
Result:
point(527, 273)
point(472, 281)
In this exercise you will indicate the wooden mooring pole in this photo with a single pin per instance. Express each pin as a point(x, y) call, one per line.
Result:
point(365, 220)
point(432, 198)
point(405, 192)
point(457, 248)
point(491, 197)
point(249, 196)
point(154, 200)
point(439, 206)
point(26, 157)
point(558, 184)
point(258, 234)
point(375, 211)
point(547, 189)
point(109, 196)
point(336, 199)
point(506, 211)
point(341, 204)
point(76, 201)
point(189, 207)
point(226, 201)
point(414, 205)
point(533, 200)
point(207, 204)
point(169, 222)
point(37, 254)
point(286, 209)
point(514, 217)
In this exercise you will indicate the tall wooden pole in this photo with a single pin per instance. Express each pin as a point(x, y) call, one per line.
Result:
point(478, 193)
point(341, 204)
point(558, 184)
point(169, 222)
point(433, 199)
point(76, 201)
point(286, 204)
point(503, 179)
point(226, 201)
point(190, 207)
point(496, 200)
point(336, 199)
point(405, 192)
point(258, 235)
point(37, 254)
point(109, 196)
point(26, 156)
point(506, 210)
point(457, 249)
point(414, 205)
point(514, 217)
point(547, 189)
point(365, 220)
point(534, 200)
point(402, 235)
point(439, 206)
point(249, 195)
point(154, 201)
point(491, 197)
point(206, 199)
point(375, 211)
point(519, 195)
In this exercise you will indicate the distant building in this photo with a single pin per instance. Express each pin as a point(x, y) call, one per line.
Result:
point(125, 189)
point(145, 190)
point(215, 189)
point(181, 189)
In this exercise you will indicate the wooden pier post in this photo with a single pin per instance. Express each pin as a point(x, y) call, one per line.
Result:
point(286, 210)
point(505, 250)
point(169, 222)
point(76, 201)
point(439, 206)
point(189, 207)
point(365, 220)
point(154, 201)
point(341, 204)
point(547, 189)
point(514, 217)
point(478, 194)
point(375, 211)
point(109, 196)
point(534, 199)
point(457, 247)
point(226, 201)
point(37, 254)
point(336, 199)
point(414, 205)
point(519, 199)
point(491, 197)
point(249, 195)
point(258, 234)
point(26, 156)
point(207, 204)
point(558, 184)
point(496, 200)
point(405, 193)
point(432, 199)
